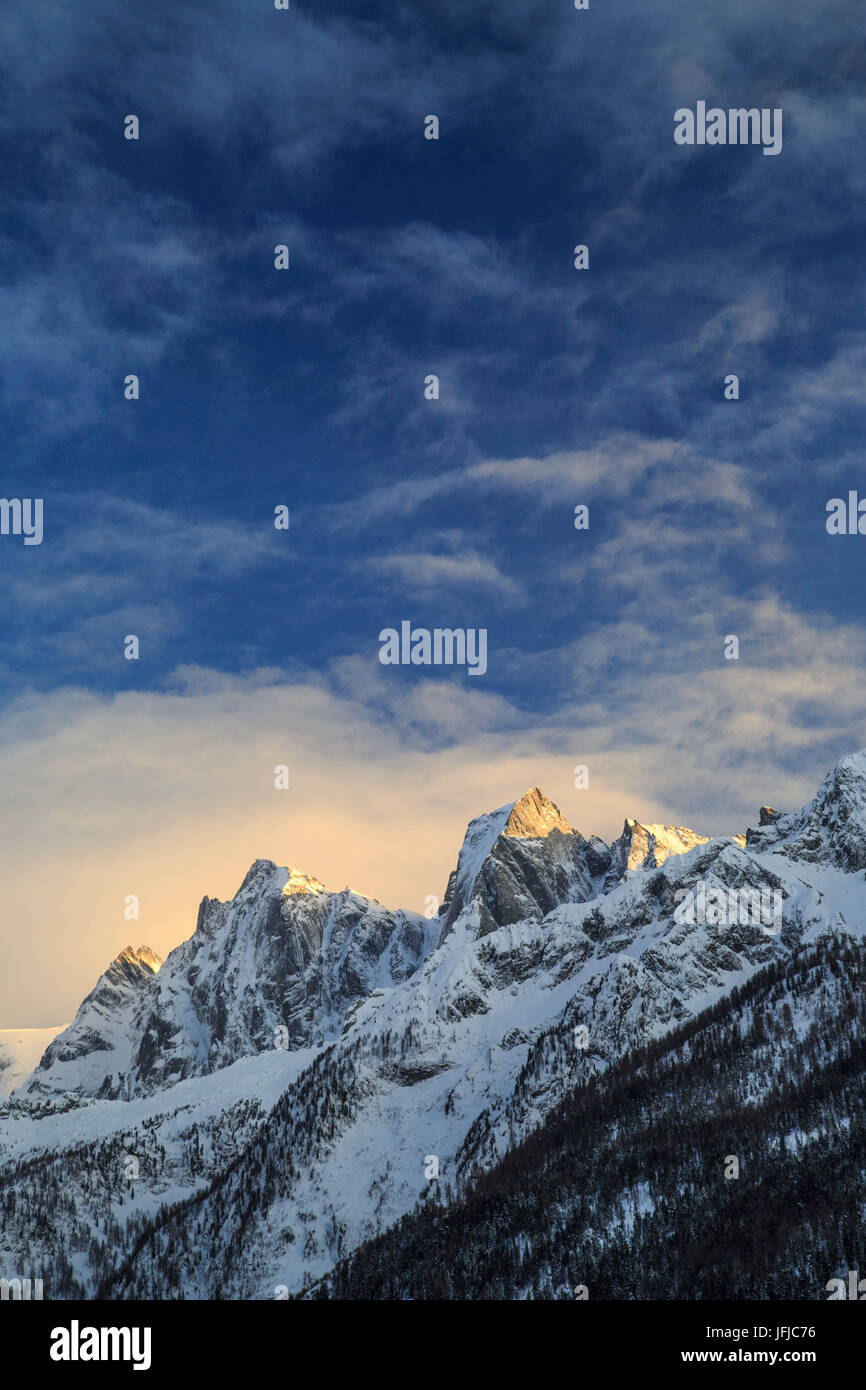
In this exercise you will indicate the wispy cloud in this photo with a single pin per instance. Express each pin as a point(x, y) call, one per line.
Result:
point(428, 571)
point(613, 466)
point(109, 566)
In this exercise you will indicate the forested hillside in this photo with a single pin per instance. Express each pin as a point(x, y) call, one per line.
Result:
point(623, 1190)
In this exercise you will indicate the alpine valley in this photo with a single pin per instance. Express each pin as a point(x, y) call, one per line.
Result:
point(562, 1085)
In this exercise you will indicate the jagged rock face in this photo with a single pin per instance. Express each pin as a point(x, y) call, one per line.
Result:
point(518, 863)
point(834, 825)
point(278, 965)
point(533, 817)
point(647, 847)
point(98, 1041)
point(522, 861)
point(829, 829)
point(285, 960)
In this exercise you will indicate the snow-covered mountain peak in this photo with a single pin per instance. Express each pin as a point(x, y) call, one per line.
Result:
point(98, 1040)
point(261, 872)
point(531, 817)
point(264, 878)
point(534, 816)
point(302, 883)
point(517, 863)
point(830, 828)
point(852, 766)
point(130, 967)
point(648, 846)
point(138, 956)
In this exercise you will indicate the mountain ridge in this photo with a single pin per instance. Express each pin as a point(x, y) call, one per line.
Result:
point(518, 861)
point(551, 959)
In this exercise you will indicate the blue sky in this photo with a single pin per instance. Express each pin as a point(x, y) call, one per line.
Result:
point(306, 388)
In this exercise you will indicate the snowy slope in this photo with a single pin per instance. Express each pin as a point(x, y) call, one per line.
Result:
point(625, 1187)
point(20, 1051)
